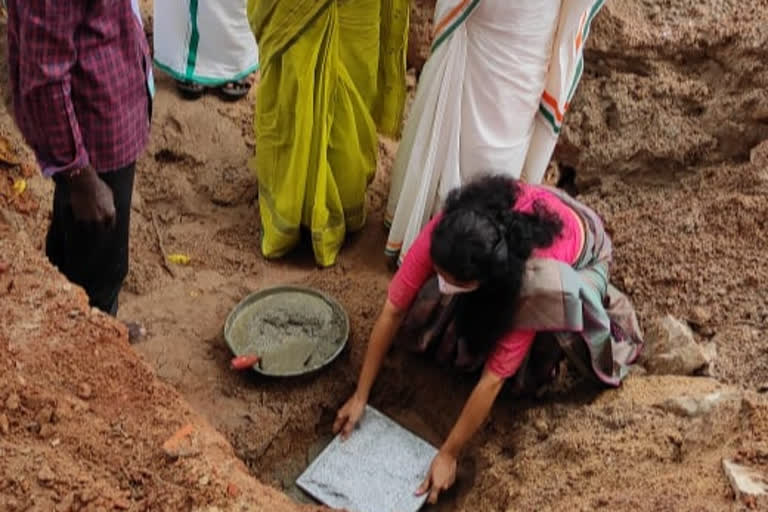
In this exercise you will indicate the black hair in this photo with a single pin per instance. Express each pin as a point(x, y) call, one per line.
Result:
point(482, 238)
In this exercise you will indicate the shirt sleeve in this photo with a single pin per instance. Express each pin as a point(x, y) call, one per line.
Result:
point(416, 269)
point(509, 353)
point(47, 53)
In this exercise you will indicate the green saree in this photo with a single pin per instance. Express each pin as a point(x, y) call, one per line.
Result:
point(333, 72)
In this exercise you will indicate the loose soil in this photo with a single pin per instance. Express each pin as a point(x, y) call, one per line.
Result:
point(663, 139)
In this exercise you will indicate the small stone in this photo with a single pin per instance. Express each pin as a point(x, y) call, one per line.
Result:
point(5, 426)
point(542, 427)
point(84, 391)
point(204, 480)
point(121, 504)
point(233, 491)
point(80, 407)
point(62, 412)
point(67, 504)
point(46, 475)
point(709, 351)
point(758, 155)
point(746, 482)
point(56, 442)
point(671, 349)
point(699, 315)
point(183, 443)
point(693, 407)
point(45, 415)
point(13, 402)
point(46, 431)
point(87, 495)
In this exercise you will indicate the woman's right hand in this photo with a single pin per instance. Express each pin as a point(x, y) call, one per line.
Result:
point(382, 335)
point(349, 415)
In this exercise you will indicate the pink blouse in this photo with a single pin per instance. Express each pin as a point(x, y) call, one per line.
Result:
point(417, 268)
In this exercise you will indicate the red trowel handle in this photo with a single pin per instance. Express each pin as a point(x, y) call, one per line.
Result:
point(244, 362)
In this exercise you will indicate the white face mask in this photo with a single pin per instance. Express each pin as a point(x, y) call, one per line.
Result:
point(447, 288)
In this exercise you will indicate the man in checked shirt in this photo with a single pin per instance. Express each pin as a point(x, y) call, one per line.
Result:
point(81, 81)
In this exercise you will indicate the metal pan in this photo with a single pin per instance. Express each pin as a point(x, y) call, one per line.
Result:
point(244, 341)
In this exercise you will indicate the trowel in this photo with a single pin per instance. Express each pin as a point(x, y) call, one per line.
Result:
point(292, 354)
point(244, 362)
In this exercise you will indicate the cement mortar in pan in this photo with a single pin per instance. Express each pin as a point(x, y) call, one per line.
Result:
point(293, 332)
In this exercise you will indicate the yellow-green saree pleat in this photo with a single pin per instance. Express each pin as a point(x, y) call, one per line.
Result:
point(332, 70)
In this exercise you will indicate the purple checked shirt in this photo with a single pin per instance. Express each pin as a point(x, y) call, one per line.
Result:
point(81, 79)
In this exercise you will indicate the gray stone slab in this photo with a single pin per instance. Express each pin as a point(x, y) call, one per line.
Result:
point(377, 469)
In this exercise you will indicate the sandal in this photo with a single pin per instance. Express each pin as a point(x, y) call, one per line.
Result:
point(190, 90)
point(235, 90)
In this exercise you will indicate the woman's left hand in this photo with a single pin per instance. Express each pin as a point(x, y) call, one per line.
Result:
point(441, 476)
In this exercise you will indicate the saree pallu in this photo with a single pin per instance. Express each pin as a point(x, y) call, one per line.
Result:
point(333, 71)
point(209, 43)
point(491, 98)
point(575, 310)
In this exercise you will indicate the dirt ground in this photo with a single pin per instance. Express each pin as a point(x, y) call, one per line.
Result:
point(664, 139)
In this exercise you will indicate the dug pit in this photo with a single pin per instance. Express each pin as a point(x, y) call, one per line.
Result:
point(299, 440)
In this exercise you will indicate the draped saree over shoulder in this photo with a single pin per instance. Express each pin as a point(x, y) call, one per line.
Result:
point(491, 98)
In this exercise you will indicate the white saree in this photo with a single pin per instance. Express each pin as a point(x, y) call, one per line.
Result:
point(207, 42)
point(491, 98)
